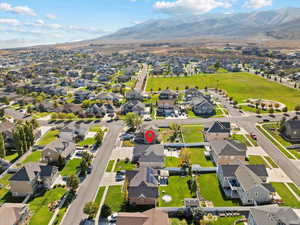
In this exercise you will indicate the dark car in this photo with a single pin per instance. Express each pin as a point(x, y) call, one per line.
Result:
point(266, 120)
point(89, 170)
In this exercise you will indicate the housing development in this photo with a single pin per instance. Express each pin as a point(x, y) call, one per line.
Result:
point(141, 138)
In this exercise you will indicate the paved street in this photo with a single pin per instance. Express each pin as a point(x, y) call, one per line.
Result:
point(89, 186)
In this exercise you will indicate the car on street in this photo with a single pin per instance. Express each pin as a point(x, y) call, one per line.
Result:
point(112, 219)
point(148, 119)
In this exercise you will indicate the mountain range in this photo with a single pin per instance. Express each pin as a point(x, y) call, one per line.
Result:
point(276, 24)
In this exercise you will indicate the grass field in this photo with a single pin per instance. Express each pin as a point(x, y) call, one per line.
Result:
point(110, 166)
point(257, 160)
point(198, 157)
point(210, 190)
point(71, 167)
point(171, 161)
point(115, 198)
point(177, 188)
point(287, 197)
point(33, 157)
point(122, 165)
point(39, 206)
point(192, 133)
point(50, 136)
point(240, 86)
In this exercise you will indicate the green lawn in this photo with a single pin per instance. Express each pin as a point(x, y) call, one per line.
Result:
point(176, 221)
point(225, 220)
point(192, 133)
point(198, 157)
point(272, 129)
point(241, 138)
point(178, 189)
point(95, 128)
point(99, 195)
point(241, 86)
point(210, 190)
point(165, 135)
point(270, 160)
point(71, 167)
point(11, 157)
point(4, 179)
point(171, 161)
point(87, 141)
point(287, 197)
point(110, 165)
point(295, 188)
point(254, 142)
point(50, 136)
point(115, 198)
point(122, 165)
point(269, 136)
point(33, 157)
point(256, 160)
point(39, 206)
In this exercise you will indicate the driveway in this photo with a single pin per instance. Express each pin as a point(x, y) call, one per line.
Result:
point(277, 175)
point(109, 179)
point(256, 151)
point(122, 153)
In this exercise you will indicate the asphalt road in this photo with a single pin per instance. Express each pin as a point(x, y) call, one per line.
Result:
point(88, 188)
point(142, 76)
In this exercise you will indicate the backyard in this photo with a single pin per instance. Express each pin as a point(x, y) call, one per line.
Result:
point(71, 167)
point(177, 188)
point(115, 198)
point(33, 157)
point(87, 141)
point(192, 133)
point(210, 190)
point(241, 86)
point(198, 157)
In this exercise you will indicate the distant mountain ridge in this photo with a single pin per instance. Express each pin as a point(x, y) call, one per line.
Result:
point(278, 24)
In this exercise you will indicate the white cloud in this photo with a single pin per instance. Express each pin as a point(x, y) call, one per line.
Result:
point(40, 22)
point(256, 4)
point(23, 10)
point(54, 26)
point(51, 16)
point(180, 7)
point(13, 22)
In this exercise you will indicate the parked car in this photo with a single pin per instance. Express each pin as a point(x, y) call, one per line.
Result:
point(127, 136)
point(112, 218)
point(253, 136)
point(89, 170)
point(120, 175)
point(148, 119)
point(266, 120)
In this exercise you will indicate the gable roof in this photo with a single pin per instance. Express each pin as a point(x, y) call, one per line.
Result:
point(274, 216)
point(10, 213)
point(229, 170)
point(228, 147)
point(219, 127)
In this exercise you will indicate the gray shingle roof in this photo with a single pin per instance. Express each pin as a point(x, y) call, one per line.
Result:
point(228, 147)
point(219, 127)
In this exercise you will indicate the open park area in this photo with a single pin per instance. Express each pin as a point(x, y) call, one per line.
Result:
point(240, 86)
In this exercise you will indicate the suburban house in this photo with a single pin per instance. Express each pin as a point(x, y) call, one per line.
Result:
point(167, 94)
point(166, 107)
point(201, 106)
point(246, 183)
point(134, 95)
point(14, 214)
point(149, 155)
point(142, 186)
point(141, 135)
point(217, 131)
point(227, 152)
point(7, 128)
point(273, 216)
point(291, 130)
point(149, 217)
point(31, 177)
point(194, 92)
point(56, 149)
point(134, 106)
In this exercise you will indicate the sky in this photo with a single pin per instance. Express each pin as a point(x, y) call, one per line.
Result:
point(33, 22)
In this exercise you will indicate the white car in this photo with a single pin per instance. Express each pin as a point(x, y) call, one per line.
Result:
point(112, 218)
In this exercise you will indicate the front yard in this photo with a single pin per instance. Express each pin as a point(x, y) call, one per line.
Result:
point(177, 188)
point(287, 197)
point(33, 157)
point(123, 165)
point(115, 198)
point(87, 141)
point(39, 206)
point(71, 167)
point(210, 190)
point(49, 137)
point(256, 159)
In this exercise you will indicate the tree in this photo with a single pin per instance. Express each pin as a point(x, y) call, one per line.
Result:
point(133, 121)
point(99, 137)
point(84, 165)
point(271, 110)
point(2, 113)
point(285, 109)
point(91, 209)
point(2, 146)
point(73, 183)
point(105, 211)
point(185, 158)
point(87, 157)
point(176, 130)
point(17, 142)
point(297, 108)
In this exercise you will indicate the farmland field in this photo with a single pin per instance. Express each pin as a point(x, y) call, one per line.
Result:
point(240, 86)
